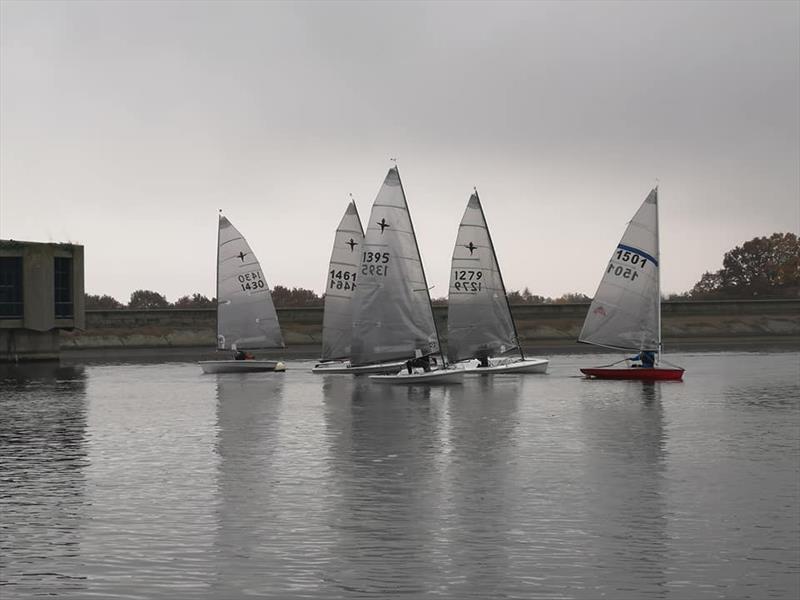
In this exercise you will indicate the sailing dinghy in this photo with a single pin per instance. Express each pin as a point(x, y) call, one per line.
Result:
point(337, 320)
point(479, 320)
point(625, 313)
point(246, 317)
point(392, 315)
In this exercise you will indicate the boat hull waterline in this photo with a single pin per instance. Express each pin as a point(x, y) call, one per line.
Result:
point(430, 377)
point(344, 368)
point(636, 373)
point(241, 366)
point(501, 366)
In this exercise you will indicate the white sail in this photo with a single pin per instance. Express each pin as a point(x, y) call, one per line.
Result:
point(625, 312)
point(392, 316)
point(246, 316)
point(337, 320)
point(479, 322)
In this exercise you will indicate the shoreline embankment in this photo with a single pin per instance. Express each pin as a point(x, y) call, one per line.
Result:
point(543, 328)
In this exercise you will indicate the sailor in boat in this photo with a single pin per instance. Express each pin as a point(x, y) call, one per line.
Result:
point(483, 361)
point(647, 358)
point(242, 355)
point(423, 362)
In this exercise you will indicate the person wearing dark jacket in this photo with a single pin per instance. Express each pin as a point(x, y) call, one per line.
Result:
point(422, 361)
point(647, 358)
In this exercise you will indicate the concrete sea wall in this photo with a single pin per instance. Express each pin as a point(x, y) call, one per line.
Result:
point(544, 324)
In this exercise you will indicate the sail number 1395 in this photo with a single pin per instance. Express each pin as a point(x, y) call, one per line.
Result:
point(375, 263)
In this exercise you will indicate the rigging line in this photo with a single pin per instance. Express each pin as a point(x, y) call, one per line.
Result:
point(666, 362)
point(612, 364)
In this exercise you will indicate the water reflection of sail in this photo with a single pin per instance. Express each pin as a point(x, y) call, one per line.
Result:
point(248, 422)
point(481, 484)
point(382, 447)
point(43, 457)
point(625, 463)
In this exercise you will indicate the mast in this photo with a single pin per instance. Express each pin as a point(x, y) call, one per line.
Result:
point(358, 216)
point(219, 218)
point(658, 278)
point(422, 267)
point(502, 282)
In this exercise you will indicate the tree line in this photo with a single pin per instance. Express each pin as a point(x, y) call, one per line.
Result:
point(146, 299)
point(764, 267)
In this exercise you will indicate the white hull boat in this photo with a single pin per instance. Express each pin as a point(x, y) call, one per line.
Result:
point(436, 376)
point(246, 317)
point(344, 368)
point(498, 366)
point(241, 366)
point(392, 317)
point(479, 319)
point(337, 320)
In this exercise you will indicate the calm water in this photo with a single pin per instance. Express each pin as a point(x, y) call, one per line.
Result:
point(154, 481)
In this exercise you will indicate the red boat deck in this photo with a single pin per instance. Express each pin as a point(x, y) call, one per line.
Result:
point(651, 374)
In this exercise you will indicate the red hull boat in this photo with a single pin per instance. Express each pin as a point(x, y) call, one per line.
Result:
point(639, 373)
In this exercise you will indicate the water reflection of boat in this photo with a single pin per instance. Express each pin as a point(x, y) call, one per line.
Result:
point(249, 409)
point(624, 443)
point(382, 449)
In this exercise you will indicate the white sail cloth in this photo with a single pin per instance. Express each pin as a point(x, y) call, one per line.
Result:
point(246, 317)
point(392, 315)
point(479, 322)
point(626, 308)
point(337, 320)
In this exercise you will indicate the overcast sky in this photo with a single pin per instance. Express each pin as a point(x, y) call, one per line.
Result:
point(126, 126)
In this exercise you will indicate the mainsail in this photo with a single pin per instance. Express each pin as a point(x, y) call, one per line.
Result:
point(479, 322)
point(626, 309)
point(392, 315)
point(246, 317)
point(337, 321)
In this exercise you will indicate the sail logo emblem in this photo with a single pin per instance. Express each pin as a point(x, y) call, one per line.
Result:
point(600, 311)
point(352, 243)
point(383, 224)
point(242, 254)
point(472, 247)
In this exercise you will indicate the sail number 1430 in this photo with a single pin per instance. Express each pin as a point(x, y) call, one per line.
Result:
point(251, 281)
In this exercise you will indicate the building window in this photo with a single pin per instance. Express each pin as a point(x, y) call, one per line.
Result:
point(62, 270)
point(11, 287)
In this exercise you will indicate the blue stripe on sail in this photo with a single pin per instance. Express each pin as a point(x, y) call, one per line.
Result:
point(639, 252)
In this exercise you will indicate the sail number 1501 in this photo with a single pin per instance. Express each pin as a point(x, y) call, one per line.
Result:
point(631, 257)
point(627, 272)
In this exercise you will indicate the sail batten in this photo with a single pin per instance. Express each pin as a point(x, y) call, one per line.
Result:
point(392, 319)
point(625, 311)
point(246, 316)
point(337, 320)
point(479, 319)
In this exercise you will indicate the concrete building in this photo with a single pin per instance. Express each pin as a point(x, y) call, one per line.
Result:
point(41, 293)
